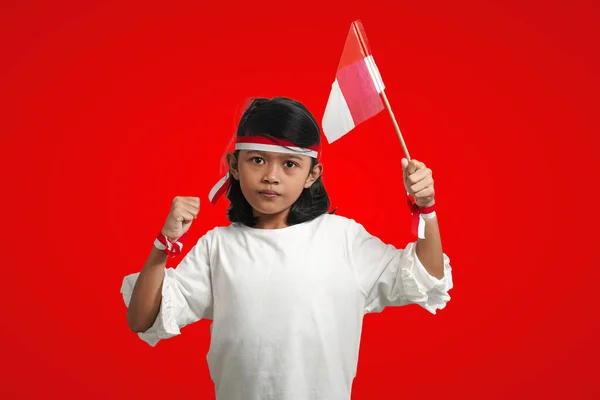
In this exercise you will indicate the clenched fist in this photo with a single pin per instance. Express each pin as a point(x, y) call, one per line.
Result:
point(418, 181)
point(183, 211)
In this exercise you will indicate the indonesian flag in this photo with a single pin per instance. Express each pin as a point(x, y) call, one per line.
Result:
point(354, 96)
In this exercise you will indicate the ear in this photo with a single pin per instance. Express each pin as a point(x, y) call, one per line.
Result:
point(314, 174)
point(233, 166)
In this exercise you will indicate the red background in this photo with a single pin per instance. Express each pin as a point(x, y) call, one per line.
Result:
point(109, 110)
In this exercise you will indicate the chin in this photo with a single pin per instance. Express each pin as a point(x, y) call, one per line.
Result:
point(266, 210)
point(268, 207)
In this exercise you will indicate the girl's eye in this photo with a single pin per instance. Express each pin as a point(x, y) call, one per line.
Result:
point(257, 160)
point(290, 164)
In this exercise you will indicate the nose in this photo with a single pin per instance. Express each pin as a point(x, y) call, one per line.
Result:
point(271, 176)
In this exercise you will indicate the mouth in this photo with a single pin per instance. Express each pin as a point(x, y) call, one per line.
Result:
point(269, 193)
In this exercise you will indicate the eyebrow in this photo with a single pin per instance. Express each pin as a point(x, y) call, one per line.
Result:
point(282, 155)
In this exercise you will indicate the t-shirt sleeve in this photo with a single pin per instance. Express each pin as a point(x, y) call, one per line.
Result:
point(395, 277)
point(186, 294)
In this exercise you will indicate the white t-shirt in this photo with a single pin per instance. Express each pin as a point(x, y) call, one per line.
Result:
point(287, 304)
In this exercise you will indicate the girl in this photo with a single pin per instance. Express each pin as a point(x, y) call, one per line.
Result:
point(287, 283)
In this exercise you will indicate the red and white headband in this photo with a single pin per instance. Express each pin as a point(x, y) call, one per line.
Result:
point(260, 143)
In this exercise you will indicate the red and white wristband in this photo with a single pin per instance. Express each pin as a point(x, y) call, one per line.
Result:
point(172, 249)
point(419, 215)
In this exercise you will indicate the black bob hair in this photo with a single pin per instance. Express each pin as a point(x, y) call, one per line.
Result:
point(286, 119)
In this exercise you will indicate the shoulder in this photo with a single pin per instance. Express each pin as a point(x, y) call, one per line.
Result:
point(207, 240)
point(338, 224)
point(209, 243)
point(336, 220)
point(341, 221)
point(353, 231)
point(218, 232)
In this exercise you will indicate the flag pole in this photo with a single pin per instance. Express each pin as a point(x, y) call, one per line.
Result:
point(383, 96)
point(387, 105)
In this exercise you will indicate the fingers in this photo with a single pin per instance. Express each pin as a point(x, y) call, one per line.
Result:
point(422, 184)
point(419, 175)
point(418, 180)
point(184, 215)
point(404, 163)
point(413, 166)
point(192, 211)
point(192, 201)
point(186, 208)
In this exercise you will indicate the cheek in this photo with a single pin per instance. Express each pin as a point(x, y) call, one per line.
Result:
point(296, 182)
point(246, 173)
point(241, 168)
point(245, 181)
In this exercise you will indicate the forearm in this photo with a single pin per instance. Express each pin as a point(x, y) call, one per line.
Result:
point(147, 292)
point(429, 250)
point(418, 181)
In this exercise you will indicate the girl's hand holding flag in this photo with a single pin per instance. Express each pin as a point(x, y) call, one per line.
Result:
point(418, 182)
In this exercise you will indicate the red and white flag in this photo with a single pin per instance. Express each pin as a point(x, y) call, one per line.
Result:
point(354, 96)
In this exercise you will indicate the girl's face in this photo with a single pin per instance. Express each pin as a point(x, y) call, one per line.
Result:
point(271, 182)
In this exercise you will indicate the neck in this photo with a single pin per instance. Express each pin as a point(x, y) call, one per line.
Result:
point(272, 221)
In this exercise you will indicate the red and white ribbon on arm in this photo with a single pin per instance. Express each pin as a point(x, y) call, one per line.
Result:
point(260, 143)
point(419, 215)
point(172, 249)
